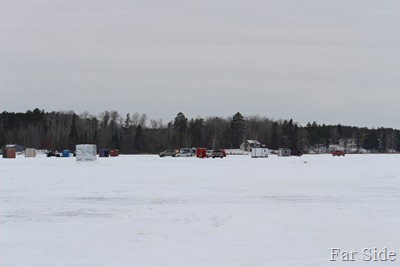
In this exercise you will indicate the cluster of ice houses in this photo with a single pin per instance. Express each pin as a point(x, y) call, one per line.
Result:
point(83, 152)
point(88, 152)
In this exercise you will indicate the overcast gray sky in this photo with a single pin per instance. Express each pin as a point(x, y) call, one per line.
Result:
point(332, 61)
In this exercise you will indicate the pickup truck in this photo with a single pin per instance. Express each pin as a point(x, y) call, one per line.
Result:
point(338, 153)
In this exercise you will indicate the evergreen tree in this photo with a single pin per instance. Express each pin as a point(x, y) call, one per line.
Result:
point(115, 142)
point(95, 139)
point(275, 144)
point(73, 134)
point(371, 141)
point(237, 130)
point(313, 136)
point(137, 142)
point(396, 140)
point(226, 137)
point(294, 139)
point(196, 132)
point(287, 133)
point(2, 138)
point(128, 121)
point(180, 130)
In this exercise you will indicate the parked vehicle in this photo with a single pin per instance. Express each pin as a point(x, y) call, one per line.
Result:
point(168, 153)
point(338, 153)
point(223, 152)
point(185, 152)
point(297, 153)
point(53, 153)
point(218, 153)
point(209, 153)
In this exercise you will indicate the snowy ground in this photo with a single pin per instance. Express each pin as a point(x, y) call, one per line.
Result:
point(236, 211)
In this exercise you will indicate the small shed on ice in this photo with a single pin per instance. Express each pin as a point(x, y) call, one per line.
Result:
point(284, 152)
point(259, 152)
point(65, 153)
point(201, 152)
point(9, 153)
point(30, 152)
point(104, 153)
point(114, 152)
point(86, 152)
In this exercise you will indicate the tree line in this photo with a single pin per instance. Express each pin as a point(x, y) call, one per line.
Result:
point(136, 133)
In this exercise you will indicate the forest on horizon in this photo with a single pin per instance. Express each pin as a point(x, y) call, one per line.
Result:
point(136, 133)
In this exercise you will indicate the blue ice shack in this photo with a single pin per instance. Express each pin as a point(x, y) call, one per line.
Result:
point(65, 153)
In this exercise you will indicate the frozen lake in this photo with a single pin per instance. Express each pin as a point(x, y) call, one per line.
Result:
point(236, 211)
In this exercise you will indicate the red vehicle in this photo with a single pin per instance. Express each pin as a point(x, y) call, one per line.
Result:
point(338, 153)
point(223, 152)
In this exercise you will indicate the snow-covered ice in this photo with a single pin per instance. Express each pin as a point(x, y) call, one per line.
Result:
point(237, 211)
